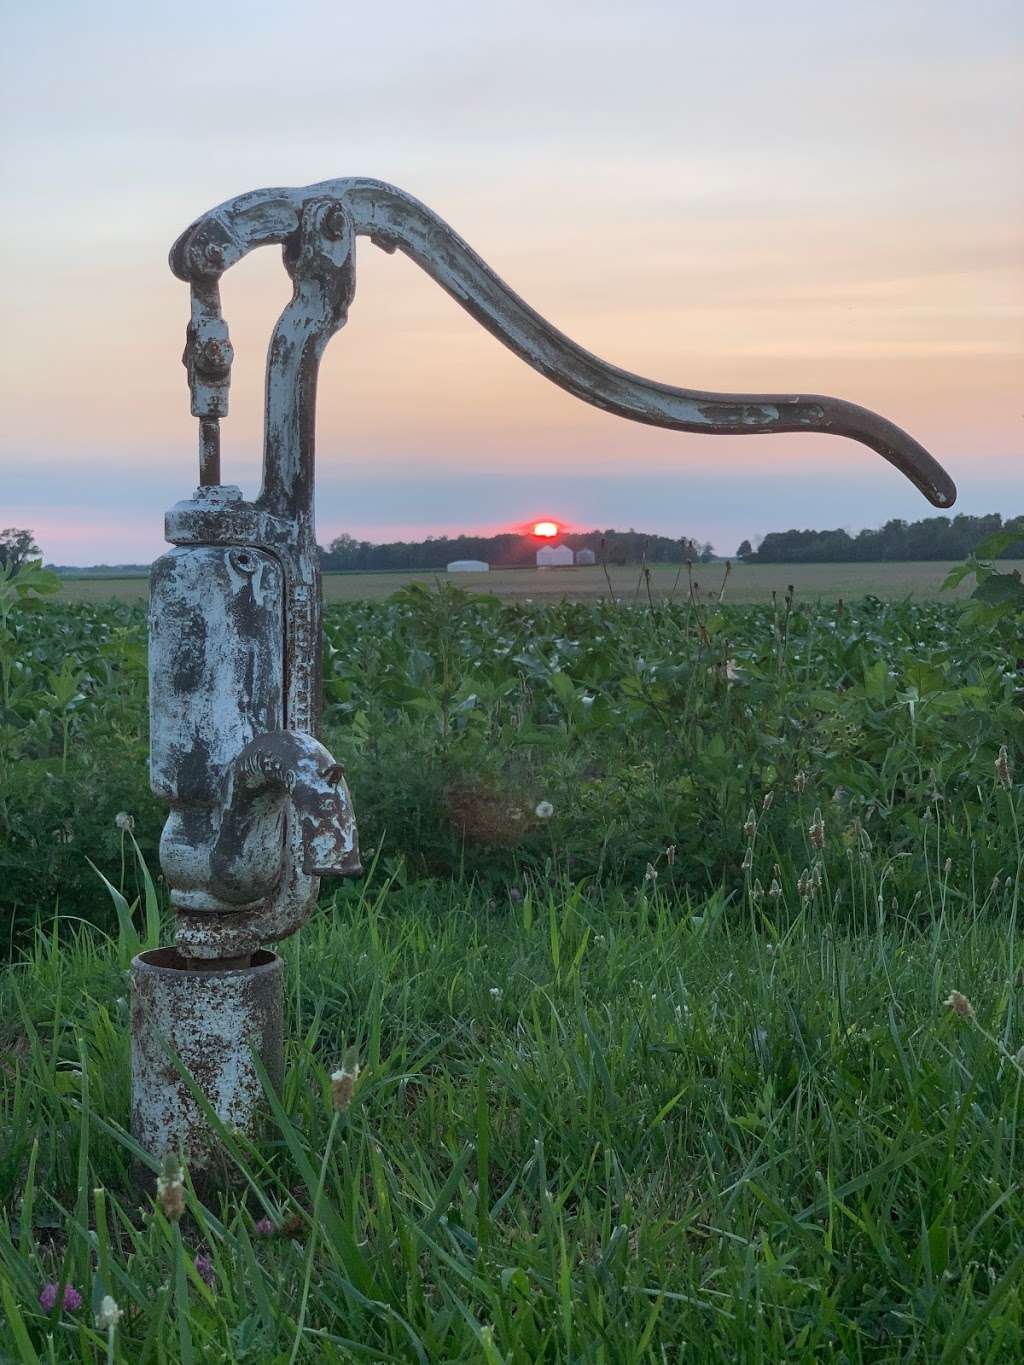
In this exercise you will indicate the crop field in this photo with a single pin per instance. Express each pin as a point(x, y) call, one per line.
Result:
point(747, 583)
point(684, 984)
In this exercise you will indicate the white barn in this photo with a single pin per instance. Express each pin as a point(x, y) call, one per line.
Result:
point(585, 556)
point(554, 557)
point(468, 566)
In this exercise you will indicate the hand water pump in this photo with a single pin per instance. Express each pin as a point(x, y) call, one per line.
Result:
point(259, 810)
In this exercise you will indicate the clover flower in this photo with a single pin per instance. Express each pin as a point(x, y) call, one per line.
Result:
point(109, 1315)
point(48, 1297)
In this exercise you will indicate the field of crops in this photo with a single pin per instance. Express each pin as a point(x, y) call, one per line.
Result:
point(746, 583)
point(685, 987)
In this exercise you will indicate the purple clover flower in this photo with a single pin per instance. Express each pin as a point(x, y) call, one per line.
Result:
point(48, 1297)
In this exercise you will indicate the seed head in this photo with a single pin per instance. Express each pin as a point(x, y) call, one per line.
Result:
point(750, 828)
point(800, 782)
point(670, 854)
point(170, 1189)
point(544, 810)
point(775, 890)
point(959, 1004)
point(757, 890)
point(124, 822)
point(343, 1082)
point(766, 804)
point(1003, 768)
point(816, 831)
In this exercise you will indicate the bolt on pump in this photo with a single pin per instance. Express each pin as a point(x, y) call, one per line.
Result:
point(258, 808)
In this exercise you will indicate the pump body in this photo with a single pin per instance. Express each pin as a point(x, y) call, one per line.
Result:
point(258, 809)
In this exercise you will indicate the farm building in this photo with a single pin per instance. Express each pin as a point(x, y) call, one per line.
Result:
point(554, 557)
point(468, 566)
point(585, 556)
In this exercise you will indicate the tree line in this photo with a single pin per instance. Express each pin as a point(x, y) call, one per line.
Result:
point(931, 538)
point(508, 550)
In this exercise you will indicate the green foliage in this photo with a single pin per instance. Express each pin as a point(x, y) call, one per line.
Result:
point(643, 728)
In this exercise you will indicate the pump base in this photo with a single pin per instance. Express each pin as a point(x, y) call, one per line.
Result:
point(213, 1021)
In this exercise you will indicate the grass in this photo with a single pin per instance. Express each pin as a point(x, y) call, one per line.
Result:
point(589, 1125)
point(748, 583)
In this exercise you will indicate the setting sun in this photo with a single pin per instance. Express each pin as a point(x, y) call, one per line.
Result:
point(546, 529)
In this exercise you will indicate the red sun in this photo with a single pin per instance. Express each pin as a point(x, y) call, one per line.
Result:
point(546, 529)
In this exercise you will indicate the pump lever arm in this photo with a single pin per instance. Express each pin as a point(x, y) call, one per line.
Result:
point(393, 219)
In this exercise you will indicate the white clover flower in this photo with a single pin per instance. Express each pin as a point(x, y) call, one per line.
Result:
point(109, 1315)
point(495, 993)
point(544, 810)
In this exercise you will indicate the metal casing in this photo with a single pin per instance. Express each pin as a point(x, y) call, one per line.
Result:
point(216, 664)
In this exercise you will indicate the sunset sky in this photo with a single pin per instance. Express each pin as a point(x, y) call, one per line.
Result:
point(796, 196)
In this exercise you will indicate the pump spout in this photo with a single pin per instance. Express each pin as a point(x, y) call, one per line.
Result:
point(272, 773)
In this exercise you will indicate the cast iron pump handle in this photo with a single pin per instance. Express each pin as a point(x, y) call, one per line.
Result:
point(394, 220)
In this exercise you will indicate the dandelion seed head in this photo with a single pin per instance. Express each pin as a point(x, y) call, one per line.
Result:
point(544, 810)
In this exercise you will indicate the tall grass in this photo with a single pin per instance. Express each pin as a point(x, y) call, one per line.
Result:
point(588, 1125)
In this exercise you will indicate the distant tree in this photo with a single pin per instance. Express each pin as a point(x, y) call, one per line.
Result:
point(707, 552)
point(17, 547)
point(745, 550)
